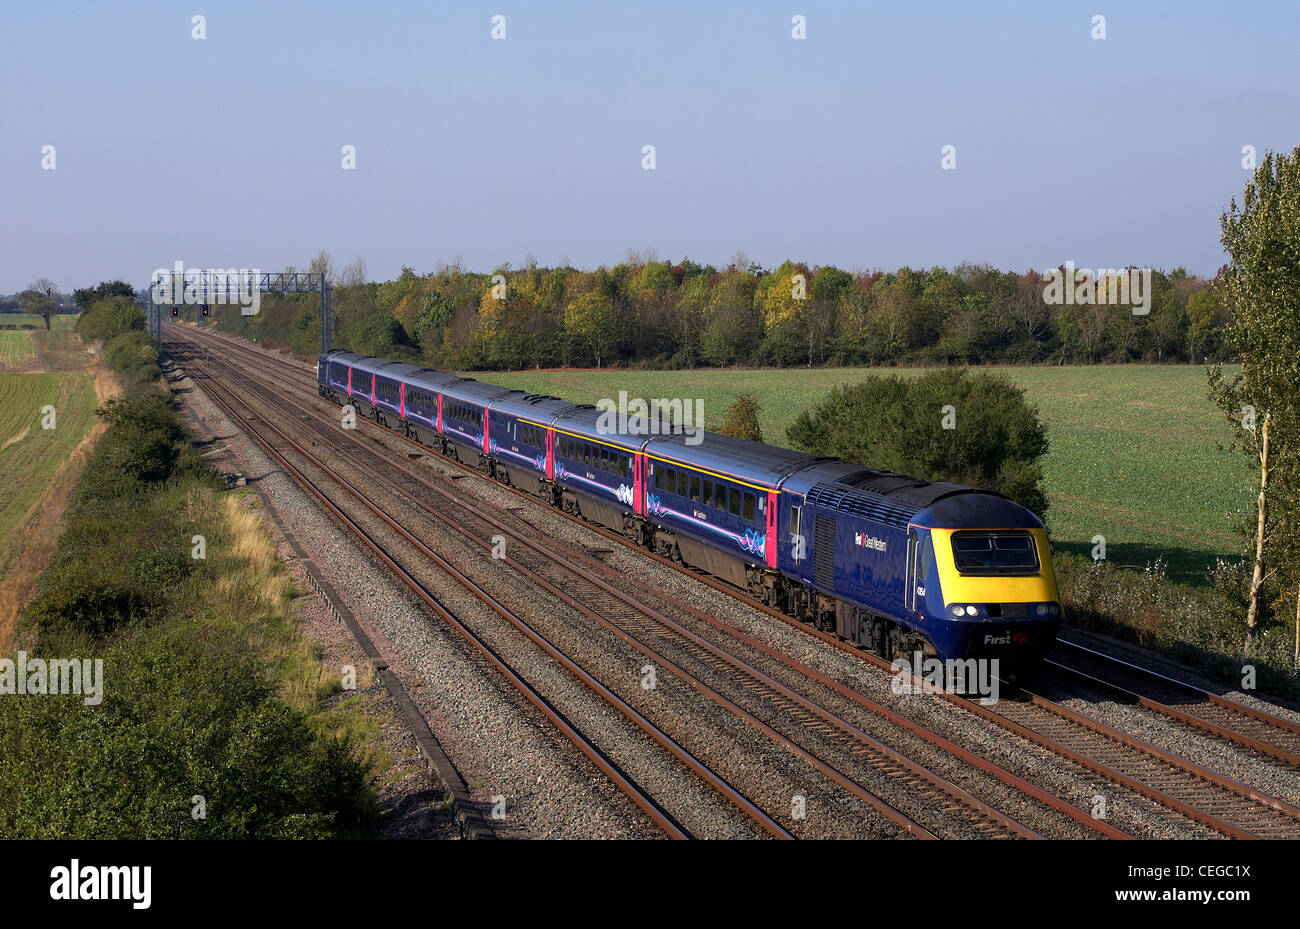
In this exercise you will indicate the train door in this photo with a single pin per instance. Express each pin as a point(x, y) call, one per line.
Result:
point(769, 547)
point(401, 399)
point(909, 590)
point(638, 484)
point(550, 454)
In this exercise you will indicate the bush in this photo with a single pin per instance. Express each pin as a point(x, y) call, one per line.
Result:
point(897, 424)
point(195, 701)
point(1198, 626)
point(192, 704)
point(109, 318)
point(742, 419)
point(135, 355)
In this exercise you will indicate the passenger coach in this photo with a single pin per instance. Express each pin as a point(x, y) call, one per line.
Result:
point(882, 560)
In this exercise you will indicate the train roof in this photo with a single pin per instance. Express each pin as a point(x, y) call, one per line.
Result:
point(371, 364)
point(820, 470)
point(897, 500)
point(474, 391)
point(429, 379)
point(337, 354)
point(740, 458)
point(585, 419)
point(977, 509)
point(539, 408)
point(398, 370)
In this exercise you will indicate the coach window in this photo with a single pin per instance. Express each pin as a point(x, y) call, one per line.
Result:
point(695, 487)
point(708, 491)
point(659, 476)
point(680, 477)
point(627, 465)
point(749, 506)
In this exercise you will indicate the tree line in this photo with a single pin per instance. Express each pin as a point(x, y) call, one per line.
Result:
point(649, 313)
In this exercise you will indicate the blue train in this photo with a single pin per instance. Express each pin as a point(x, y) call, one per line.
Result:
point(884, 561)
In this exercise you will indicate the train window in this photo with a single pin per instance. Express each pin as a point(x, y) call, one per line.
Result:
point(708, 492)
point(924, 557)
point(695, 487)
point(586, 453)
point(678, 482)
point(659, 476)
point(604, 458)
point(749, 506)
point(626, 462)
point(1011, 552)
point(795, 513)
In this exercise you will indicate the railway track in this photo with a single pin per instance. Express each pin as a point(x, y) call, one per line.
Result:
point(1269, 735)
point(276, 442)
point(1219, 803)
point(651, 633)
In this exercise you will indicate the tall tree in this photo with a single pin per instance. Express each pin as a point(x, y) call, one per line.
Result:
point(1262, 285)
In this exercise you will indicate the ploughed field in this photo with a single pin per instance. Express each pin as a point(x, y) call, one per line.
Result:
point(1133, 455)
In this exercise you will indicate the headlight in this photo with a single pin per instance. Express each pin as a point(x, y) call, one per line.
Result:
point(972, 610)
point(1053, 609)
point(957, 609)
point(1042, 609)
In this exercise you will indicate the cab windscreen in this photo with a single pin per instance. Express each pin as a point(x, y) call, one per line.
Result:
point(1008, 552)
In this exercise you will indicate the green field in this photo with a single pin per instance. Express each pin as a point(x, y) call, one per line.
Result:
point(29, 455)
point(58, 321)
point(16, 346)
point(1133, 448)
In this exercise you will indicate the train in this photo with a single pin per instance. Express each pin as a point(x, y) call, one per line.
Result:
point(896, 565)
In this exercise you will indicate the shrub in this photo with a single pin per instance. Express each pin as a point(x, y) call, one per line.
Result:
point(898, 424)
point(134, 354)
point(742, 419)
point(109, 318)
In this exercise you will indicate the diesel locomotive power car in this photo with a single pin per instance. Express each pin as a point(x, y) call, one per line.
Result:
point(884, 561)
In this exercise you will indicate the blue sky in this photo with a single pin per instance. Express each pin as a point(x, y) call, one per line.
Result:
point(225, 152)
